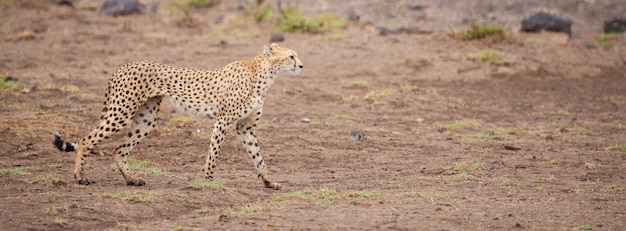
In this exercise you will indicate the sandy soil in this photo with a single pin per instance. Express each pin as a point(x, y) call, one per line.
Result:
point(448, 143)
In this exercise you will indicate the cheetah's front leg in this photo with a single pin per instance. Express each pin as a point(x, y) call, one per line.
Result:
point(217, 137)
point(245, 131)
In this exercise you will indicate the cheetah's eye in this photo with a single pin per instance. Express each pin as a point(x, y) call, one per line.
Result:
point(291, 56)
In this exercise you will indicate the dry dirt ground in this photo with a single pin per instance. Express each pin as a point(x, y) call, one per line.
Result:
point(448, 143)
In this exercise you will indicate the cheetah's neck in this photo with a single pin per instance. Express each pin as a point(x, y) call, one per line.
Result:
point(263, 74)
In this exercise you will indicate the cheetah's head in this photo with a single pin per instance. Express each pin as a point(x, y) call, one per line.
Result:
point(283, 58)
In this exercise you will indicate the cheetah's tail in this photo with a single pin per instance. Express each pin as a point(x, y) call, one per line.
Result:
point(63, 145)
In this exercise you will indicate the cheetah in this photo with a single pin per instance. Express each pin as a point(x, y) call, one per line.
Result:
point(234, 93)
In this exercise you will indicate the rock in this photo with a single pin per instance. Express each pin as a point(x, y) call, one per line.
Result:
point(121, 7)
point(305, 120)
point(353, 16)
point(544, 21)
point(69, 3)
point(418, 6)
point(420, 120)
point(277, 37)
point(617, 25)
point(511, 147)
point(356, 135)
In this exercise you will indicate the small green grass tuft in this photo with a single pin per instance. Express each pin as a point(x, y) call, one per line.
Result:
point(203, 210)
point(8, 83)
point(137, 197)
point(350, 97)
point(479, 166)
point(511, 183)
point(481, 31)
point(606, 40)
point(12, 171)
point(619, 125)
point(490, 56)
point(356, 82)
point(615, 188)
point(326, 196)
point(186, 9)
point(206, 184)
point(378, 93)
point(314, 147)
point(342, 116)
point(296, 195)
point(256, 207)
point(463, 175)
point(49, 180)
point(587, 227)
point(179, 195)
point(461, 167)
point(62, 222)
point(139, 165)
point(551, 162)
point(460, 124)
point(182, 121)
point(52, 210)
point(617, 147)
point(365, 193)
point(293, 21)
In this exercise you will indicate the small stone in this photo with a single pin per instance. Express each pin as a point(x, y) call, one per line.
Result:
point(511, 147)
point(420, 120)
point(121, 7)
point(418, 6)
point(548, 22)
point(378, 150)
point(356, 135)
point(353, 16)
point(549, 137)
point(590, 166)
point(305, 120)
point(617, 25)
point(277, 37)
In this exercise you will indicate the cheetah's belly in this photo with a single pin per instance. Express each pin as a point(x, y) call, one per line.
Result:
point(195, 108)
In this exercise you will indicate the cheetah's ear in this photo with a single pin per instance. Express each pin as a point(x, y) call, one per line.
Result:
point(267, 51)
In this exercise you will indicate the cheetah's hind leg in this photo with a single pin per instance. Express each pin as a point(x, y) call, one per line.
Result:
point(143, 122)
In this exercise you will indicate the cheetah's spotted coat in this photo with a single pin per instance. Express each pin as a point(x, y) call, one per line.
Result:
point(234, 93)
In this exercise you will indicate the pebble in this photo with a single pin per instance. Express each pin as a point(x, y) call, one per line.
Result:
point(277, 37)
point(356, 135)
point(511, 147)
point(305, 120)
point(121, 7)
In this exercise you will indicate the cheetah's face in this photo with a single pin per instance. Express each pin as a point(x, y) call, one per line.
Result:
point(284, 58)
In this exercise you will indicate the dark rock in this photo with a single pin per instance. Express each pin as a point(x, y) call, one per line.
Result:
point(617, 25)
point(511, 147)
point(121, 7)
point(548, 22)
point(356, 135)
point(277, 37)
point(69, 3)
point(353, 16)
point(418, 6)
